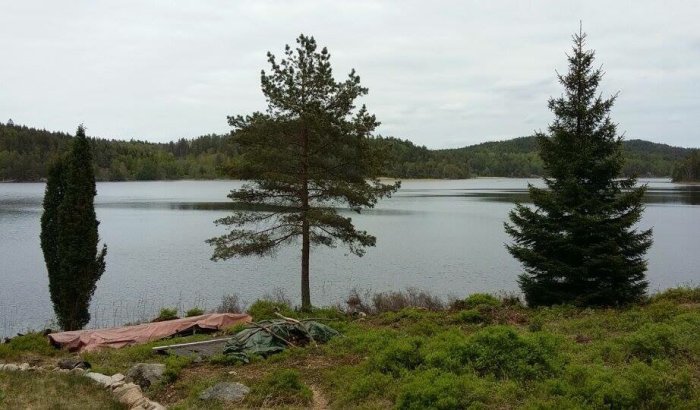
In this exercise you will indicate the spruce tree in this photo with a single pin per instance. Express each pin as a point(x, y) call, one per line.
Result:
point(308, 154)
point(69, 236)
point(579, 244)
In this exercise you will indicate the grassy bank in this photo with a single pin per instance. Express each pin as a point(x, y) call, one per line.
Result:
point(480, 352)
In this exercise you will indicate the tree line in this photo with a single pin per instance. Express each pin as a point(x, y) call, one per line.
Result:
point(25, 153)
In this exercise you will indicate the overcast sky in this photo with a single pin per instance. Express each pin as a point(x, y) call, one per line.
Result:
point(440, 73)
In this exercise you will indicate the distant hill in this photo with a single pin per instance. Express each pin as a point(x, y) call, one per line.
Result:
point(26, 152)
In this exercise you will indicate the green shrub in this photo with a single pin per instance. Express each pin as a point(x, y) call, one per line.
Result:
point(282, 387)
point(683, 294)
point(265, 309)
point(397, 356)
point(637, 386)
point(432, 389)
point(174, 365)
point(30, 343)
point(476, 300)
point(536, 324)
point(653, 341)
point(194, 312)
point(471, 316)
point(166, 314)
point(501, 352)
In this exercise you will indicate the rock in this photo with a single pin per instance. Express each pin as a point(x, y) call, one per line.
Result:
point(225, 392)
point(72, 363)
point(118, 377)
point(24, 367)
point(77, 371)
point(11, 367)
point(145, 374)
point(99, 378)
point(131, 395)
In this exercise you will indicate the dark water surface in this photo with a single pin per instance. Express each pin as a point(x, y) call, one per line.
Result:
point(443, 236)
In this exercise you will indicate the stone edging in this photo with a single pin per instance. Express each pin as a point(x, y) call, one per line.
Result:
point(129, 394)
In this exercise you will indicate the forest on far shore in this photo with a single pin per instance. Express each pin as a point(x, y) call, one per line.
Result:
point(26, 152)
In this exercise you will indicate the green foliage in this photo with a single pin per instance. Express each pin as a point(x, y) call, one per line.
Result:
point(174, 365)
point(500, 351)
point(30, 343)
point(282, 387)
point(688, 169)
point(266, 309)
point(685, 294)
point(166, 314)
point(308, 154)
point(477, 300)
point(432, 389)
point(25, 153)
point(69, 235)
point(471, 316)
point(194, 312)
point(579, 243)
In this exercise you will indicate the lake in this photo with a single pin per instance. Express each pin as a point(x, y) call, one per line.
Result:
point(443, 236)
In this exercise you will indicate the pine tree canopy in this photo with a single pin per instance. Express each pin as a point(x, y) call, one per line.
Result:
point(307, 155)
point(579, 243)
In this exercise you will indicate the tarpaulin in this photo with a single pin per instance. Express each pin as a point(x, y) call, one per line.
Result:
point(118, 337)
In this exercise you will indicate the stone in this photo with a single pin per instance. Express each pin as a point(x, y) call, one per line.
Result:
point(225, 392)
point(145, 374)
point(130, 395)
point(72, 363)
point(24, 367)
point(99, 378)
point(11, 367)
point(118, 377)
point(77, 370)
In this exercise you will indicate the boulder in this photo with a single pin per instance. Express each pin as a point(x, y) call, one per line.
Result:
point(145, 374)
point(24, 367)
point(99, 378)
point(130, 395)
point(225, 392)
point(11, 367)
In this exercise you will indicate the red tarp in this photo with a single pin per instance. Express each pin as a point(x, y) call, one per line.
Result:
point(118, 337)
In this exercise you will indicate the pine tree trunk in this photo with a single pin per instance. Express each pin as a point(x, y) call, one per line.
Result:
point(305, 253)
point(305, 229)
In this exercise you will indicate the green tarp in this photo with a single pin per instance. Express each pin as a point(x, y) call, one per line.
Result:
point(273, 336)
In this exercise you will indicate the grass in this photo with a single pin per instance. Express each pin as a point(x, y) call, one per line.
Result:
point(480, 352)
point(33, 390)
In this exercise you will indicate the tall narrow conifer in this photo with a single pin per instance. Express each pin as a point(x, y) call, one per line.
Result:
point(69, 236)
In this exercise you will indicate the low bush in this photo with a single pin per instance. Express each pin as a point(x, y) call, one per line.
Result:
point(653, 341)
point(683, 294)
point(500, 351)
point(282, 387)
point(174, 365)
point(471, 316)
point(397, 356)
point(194, 312)
point(266, 309)
point(432, 389)
point(410, 298)
point(166, 314)
point(230, 304)
point(476, 300)
point(35, 343)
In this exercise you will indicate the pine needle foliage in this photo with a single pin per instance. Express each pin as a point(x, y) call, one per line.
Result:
point(307, 155)
point(69, 236)
point(579, 243)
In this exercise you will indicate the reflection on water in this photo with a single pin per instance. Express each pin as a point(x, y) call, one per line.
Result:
point(443, 236)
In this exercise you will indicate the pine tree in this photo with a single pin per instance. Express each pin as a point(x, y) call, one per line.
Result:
point(69, 236)
point(306, 155)
point(578, 243)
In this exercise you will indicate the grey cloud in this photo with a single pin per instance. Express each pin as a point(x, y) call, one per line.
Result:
point(443, 74)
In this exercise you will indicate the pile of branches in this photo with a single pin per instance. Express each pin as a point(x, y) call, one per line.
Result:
point(268, 337)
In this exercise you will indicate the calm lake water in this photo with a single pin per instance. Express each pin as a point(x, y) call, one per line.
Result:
point(443, 236)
